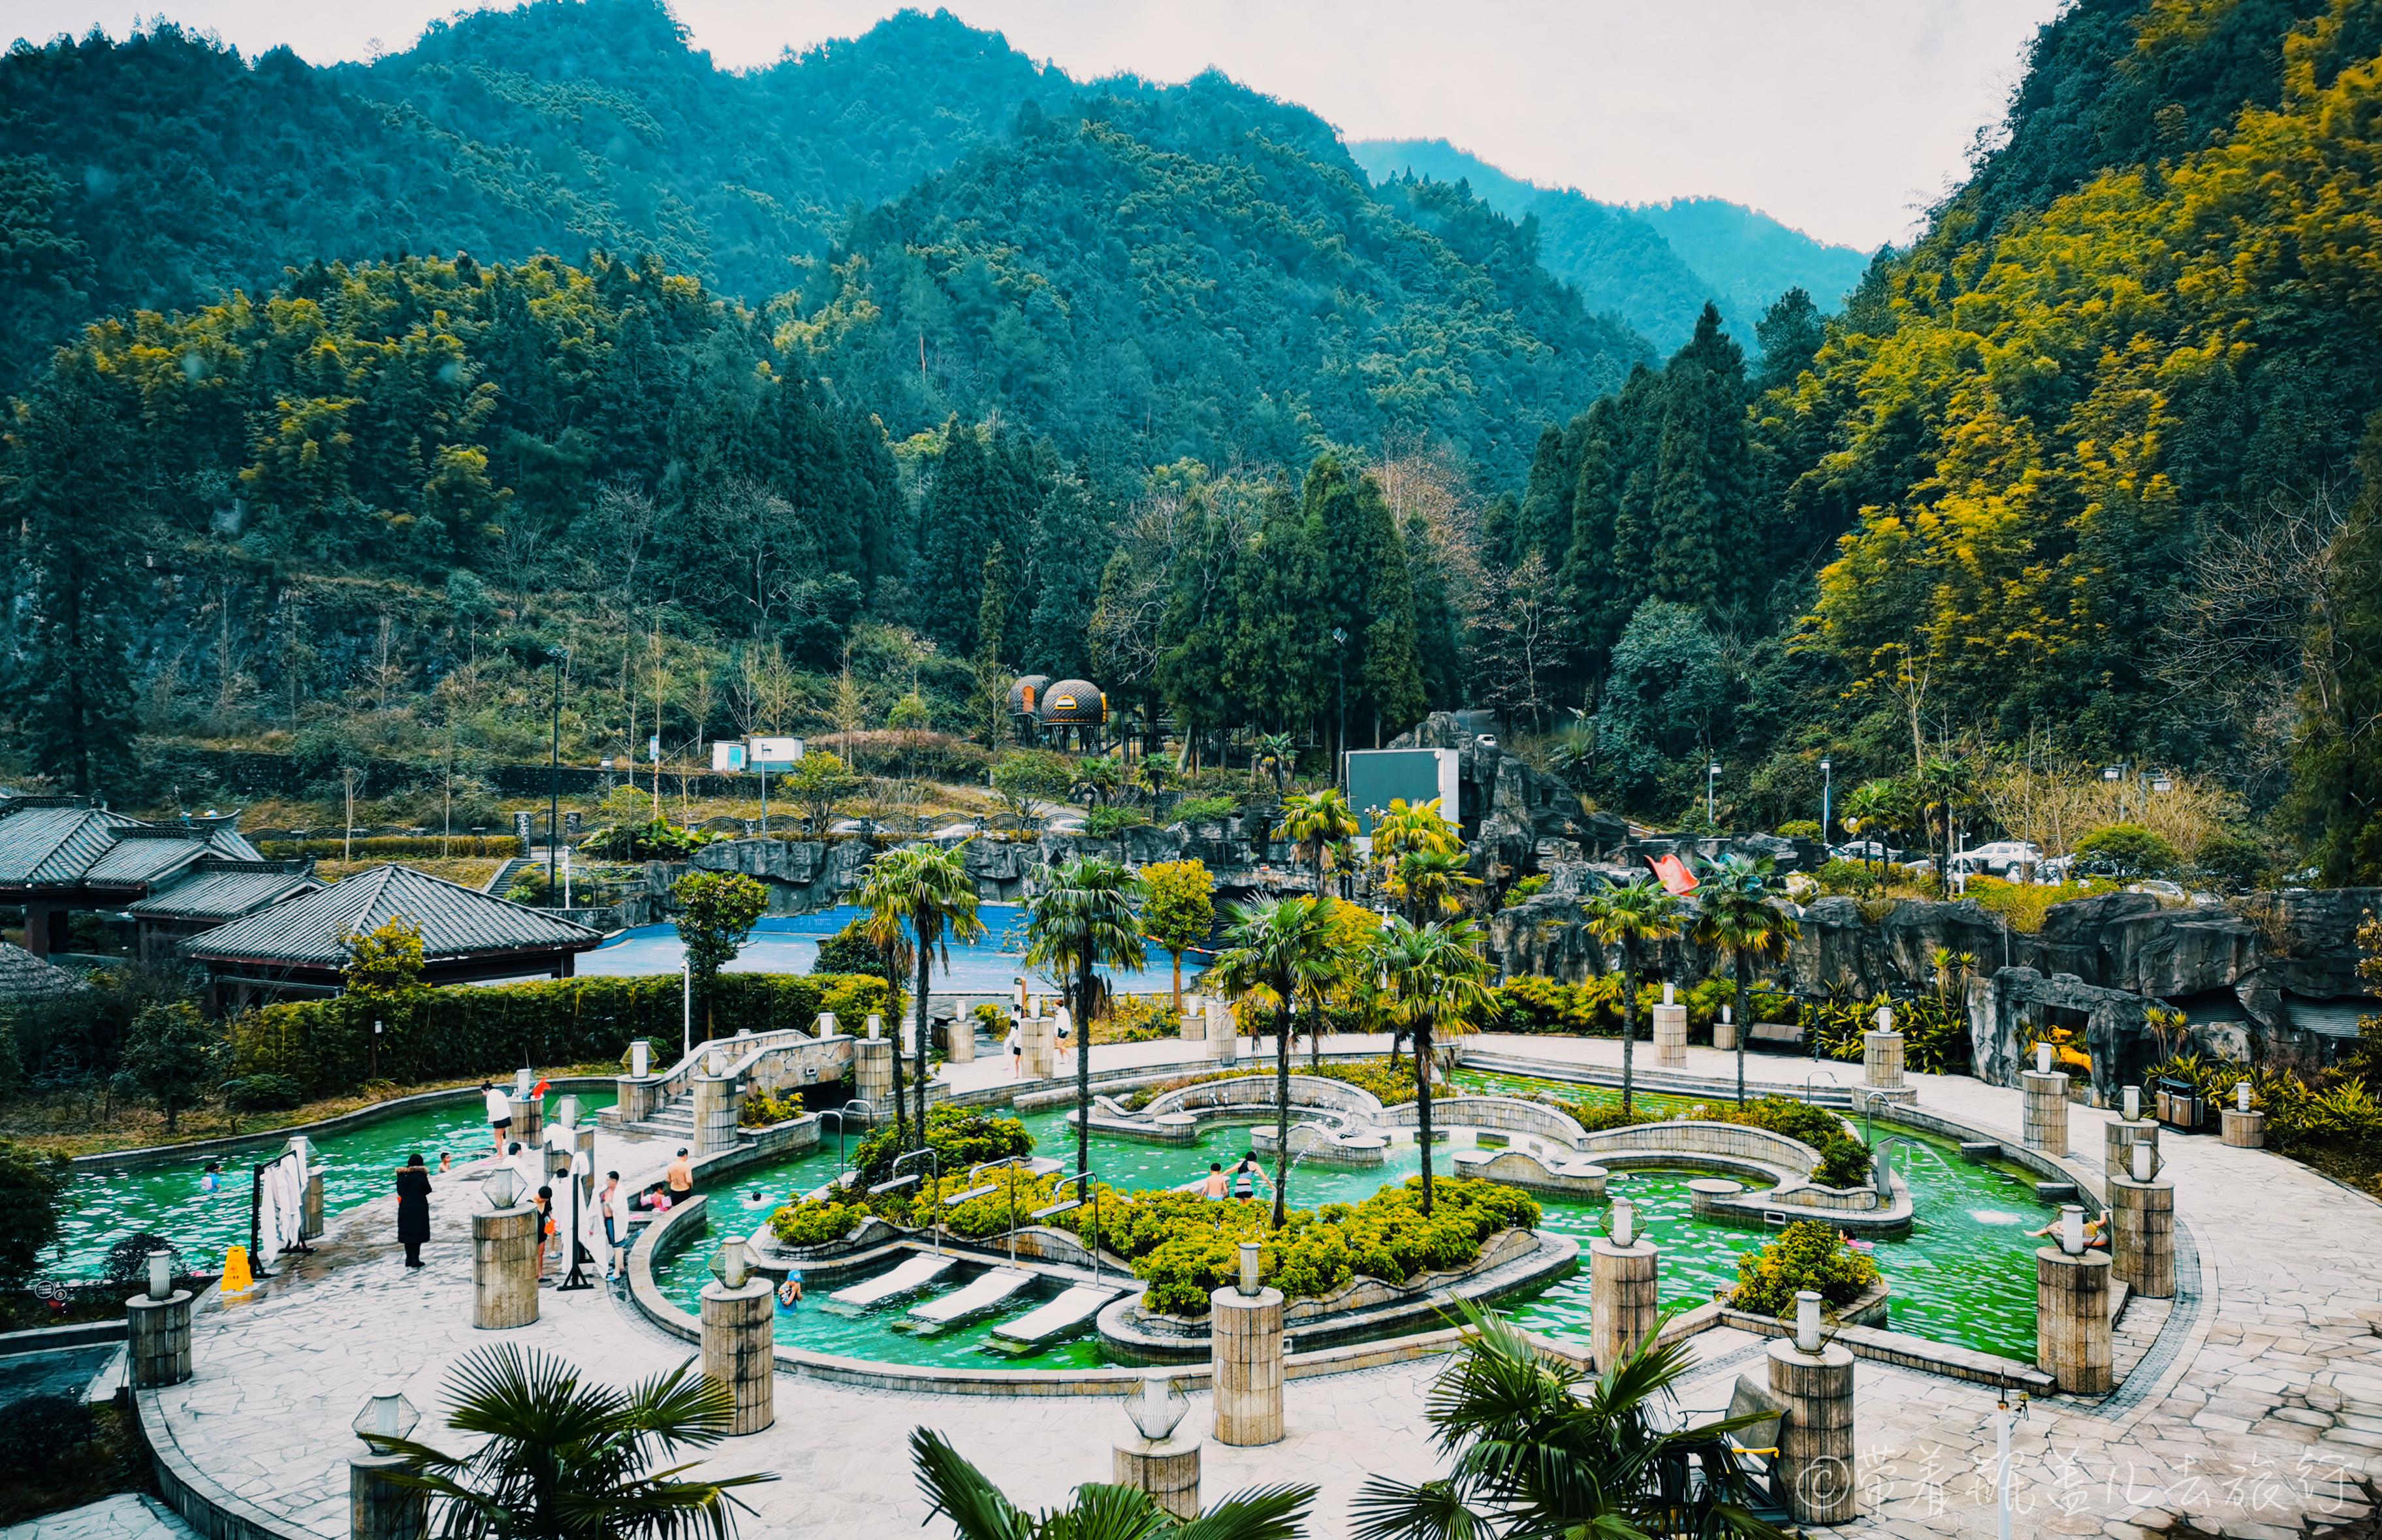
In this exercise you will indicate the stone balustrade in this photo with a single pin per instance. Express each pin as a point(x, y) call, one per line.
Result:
point(1504, 1114)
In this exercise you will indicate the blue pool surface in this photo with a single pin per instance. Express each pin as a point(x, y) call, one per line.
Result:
point(789, 944)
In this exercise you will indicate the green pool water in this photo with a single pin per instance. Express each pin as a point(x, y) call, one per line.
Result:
point(1962, 1277)
point(101, 1207)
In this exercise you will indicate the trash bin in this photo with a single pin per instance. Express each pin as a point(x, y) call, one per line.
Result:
point(2178, 1106)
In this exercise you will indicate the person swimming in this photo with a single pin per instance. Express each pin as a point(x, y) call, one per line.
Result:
point(211, 1180)
point(752, 1199)
point(790, 1293)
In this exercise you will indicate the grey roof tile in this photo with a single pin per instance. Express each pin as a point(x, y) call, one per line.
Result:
point(455, 921)
point(224, 890)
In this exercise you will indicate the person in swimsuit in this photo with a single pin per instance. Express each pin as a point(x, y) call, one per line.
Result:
point(500, 1114)
point(1247, 1175)
point(1213, 1187)
point(790, 1293)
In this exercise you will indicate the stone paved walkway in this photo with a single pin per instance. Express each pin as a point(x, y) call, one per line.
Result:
point(127, 1516)
point(2259, 1409)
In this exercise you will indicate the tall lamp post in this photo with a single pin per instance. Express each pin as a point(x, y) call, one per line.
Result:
point(1827, 786)
point(1339, 676)
point(533, 654)
point(1712, 780)
point(2115, 775)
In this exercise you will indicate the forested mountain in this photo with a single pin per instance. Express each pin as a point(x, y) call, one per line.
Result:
point(1655, 265)
point(2080, 470)
point(164, 169)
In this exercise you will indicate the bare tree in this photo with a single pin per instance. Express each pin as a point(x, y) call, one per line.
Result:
point(1521, 633)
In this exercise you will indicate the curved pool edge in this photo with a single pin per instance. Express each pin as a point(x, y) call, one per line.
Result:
point(160, 1155)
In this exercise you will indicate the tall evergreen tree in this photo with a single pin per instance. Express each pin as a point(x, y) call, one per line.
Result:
point(1439, 650)
point(953, 537)
point(1699, 472)
point(1789, 334)
point(70, 468)
point(1062, 566)
point(2336, 761)
point(1280, 666)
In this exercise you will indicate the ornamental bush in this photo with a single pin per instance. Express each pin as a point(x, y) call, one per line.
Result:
point(1807, 1254)
point(455, 1033)
point(961, 1137)
point(815, 1222)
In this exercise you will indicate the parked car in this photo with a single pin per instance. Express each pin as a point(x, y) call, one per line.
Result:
point(1862, 850)
point(1997, 859)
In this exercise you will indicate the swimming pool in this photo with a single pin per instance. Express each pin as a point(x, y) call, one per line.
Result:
point(1963, 1275)
point(789, 944)
point(358, 1164)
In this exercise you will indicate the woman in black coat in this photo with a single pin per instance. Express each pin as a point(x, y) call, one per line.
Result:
point(412, 1209)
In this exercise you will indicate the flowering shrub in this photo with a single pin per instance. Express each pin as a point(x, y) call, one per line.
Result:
point(815, 1222)
point(1807, 1254)
point(760, 1110)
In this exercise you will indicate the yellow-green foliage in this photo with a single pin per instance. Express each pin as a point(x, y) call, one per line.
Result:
point(2088, 378)
point(815, 1222)
point(761, 1109)
point(1185, 1245)
point(1807, 1254)
point(2025, 904)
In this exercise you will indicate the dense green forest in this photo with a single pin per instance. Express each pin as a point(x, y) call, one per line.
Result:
point(1655, 266)
point(1152, 383)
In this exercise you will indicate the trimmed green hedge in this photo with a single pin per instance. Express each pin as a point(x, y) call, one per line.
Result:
point(446, 1033)
point(393, 847)
point(1807, 1254)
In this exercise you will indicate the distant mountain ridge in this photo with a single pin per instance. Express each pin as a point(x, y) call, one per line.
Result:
point(1652, 264)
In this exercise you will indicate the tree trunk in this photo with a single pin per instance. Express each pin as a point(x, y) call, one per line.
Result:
point(1744, 1019)
point(900, 1095)
point(1422, 1103)
point(918, 1018)
point(1282, 1108)
point(1628, 1025)
point(1178, 985)
point(1083, 1065)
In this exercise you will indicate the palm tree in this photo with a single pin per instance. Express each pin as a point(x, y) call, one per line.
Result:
point(1278, 949)
point(1081, 918)
point(1538, 1449)
point(1427, 882)
point(1098, 779)
point(1318, 820)
point(1415, 829)
point(1273, 754)
point(1628, 915)
point(978, 1511)
point(1435, 975)
point(1940, 787)
point(565, 1459)
point(914, 895)
point(1737, 915)
point(1876, 808)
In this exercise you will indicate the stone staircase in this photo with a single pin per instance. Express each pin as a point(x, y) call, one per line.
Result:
point(672, 1119)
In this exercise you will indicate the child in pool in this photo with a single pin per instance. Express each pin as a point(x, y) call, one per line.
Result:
point(211, 1180)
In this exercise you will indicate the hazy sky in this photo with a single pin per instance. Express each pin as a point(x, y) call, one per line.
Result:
point(1844, 117)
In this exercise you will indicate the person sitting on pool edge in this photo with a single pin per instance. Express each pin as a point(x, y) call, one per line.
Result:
point(2096, 1233)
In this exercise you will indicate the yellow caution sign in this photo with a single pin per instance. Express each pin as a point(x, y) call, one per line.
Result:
point(237, 1279)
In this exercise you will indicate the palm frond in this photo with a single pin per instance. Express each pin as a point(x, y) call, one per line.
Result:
point(960, 1492)
point(1258, 1513)
point(1386, 1509)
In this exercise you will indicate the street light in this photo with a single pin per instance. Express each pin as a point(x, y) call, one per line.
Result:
point(1712, 780)
point(1340, 674)
point(1827, 786)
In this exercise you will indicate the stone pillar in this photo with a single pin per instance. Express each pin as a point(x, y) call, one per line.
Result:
point(1169, 1472)
point(715, 1113)
point(959, 1040)
point(2142, 1235)
point(1039, 1036)
point(378, 1508)
point(739, 1349)
point(1223, 1033)
point(1882, 1061)
point(2046, 1110)
point(529, 1120)
point(1621, 1308)
point(310, 1215)
point(2118, 1138)
point(159, 1331)
point(634, 1096)
point(2245, 1130)
point(1195, 1022)
point(504, 1268)
point(1724, 1035)
point(1815, 1433)
point(872, 1074)
point(2071, 1320)
point(1671, 1036)
point(1247, 1333)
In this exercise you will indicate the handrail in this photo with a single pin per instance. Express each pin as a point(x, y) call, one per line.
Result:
point(670, 1083)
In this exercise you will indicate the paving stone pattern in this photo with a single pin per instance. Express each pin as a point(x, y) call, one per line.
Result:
point(2259, 1410)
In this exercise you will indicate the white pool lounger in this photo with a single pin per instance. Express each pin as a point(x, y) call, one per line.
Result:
point(1072, 1308)
point(975, 1297)
point(909, 1277)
